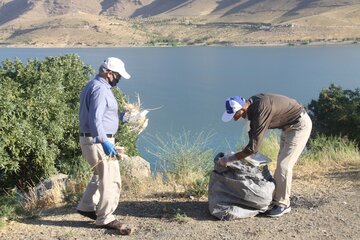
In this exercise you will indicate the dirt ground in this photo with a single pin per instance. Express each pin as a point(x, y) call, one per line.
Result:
point(324, 206)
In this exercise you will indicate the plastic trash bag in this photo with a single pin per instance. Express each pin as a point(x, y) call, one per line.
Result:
point(241, 190)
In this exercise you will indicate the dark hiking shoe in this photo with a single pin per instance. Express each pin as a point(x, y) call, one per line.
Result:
point(91, 215)
point(123, 229)
point(278, 211)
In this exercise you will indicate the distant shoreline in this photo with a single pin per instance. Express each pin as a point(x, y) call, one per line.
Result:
point(262, 44)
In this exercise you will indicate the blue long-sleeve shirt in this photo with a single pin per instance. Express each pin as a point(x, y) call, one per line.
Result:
point(98, 113)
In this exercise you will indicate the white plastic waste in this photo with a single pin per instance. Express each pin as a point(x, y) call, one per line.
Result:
point(257, 160)
point(135, 116)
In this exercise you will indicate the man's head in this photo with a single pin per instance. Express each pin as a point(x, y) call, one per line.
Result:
point(234, 108)
point(113, 69)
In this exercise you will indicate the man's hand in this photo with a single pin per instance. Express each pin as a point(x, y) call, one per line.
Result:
point(223, 161)
point(109, 148)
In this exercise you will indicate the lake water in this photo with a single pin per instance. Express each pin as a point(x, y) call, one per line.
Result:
point(190, 84)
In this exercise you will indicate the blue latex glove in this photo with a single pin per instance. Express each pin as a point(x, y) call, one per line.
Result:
point(109, 148)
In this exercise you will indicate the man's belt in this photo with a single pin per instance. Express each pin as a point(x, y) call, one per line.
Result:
point(298, 118)
point(89, 135)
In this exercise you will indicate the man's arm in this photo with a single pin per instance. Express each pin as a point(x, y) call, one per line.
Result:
point(96, 113)
point(224, 161)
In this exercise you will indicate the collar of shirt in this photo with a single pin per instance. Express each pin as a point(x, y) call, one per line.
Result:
point(103, 80)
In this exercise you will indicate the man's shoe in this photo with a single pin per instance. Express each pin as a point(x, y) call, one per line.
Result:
point(278, 211)
point(91, 215)
point(123, 229)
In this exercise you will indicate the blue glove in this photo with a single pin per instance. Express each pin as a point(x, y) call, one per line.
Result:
point(109, 148)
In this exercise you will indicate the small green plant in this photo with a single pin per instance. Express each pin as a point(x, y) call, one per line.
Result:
point(181, 217)
point(176, 215)
point(199, 188)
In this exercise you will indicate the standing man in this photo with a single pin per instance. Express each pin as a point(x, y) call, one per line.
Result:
point(99, 121)
point(268, 111)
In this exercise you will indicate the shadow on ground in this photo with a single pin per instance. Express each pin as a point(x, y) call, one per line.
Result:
point(161, 209)
point(298, 201)
point(197, 210)
point(60, 223)
point(348, 175)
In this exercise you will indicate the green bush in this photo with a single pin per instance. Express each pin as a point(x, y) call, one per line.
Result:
point(337, 113)
point(39, 119)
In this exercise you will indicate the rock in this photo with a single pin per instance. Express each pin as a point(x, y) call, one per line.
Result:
point(50, 182)
point(50, 190)
point(135, 167)
point(58, 180)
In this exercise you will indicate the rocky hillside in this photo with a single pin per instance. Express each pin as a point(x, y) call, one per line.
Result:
point(156, 22)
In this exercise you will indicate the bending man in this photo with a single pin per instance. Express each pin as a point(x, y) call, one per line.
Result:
point(269, 111)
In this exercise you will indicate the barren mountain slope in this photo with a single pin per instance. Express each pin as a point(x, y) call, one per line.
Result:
point(13, 9)
point(154, 22)
point(267, 10)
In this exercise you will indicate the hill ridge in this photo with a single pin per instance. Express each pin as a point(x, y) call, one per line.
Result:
point(149, 22)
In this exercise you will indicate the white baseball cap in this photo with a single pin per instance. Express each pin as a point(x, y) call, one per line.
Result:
point(116, 65)
point(232, 105)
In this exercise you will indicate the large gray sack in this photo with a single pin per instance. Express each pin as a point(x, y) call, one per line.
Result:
point(240, 190)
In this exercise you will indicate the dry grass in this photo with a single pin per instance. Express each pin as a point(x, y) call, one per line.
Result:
point(323, 154)
point(165, 184)
point(67, 192)
point(33, 203)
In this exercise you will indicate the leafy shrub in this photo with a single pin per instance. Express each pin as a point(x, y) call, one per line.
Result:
point(337, 113)
point(39, 119)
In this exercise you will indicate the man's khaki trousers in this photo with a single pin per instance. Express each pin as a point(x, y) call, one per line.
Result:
point(103, 191)
point(292, 143)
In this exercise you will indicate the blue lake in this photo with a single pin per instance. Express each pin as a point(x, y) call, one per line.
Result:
point(190, 84)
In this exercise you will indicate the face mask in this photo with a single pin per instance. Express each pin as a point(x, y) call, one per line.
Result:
point(116, 79)
point(114, 82)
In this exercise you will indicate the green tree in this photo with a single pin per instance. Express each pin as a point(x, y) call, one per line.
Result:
point(39, 133)
point(337, 113)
